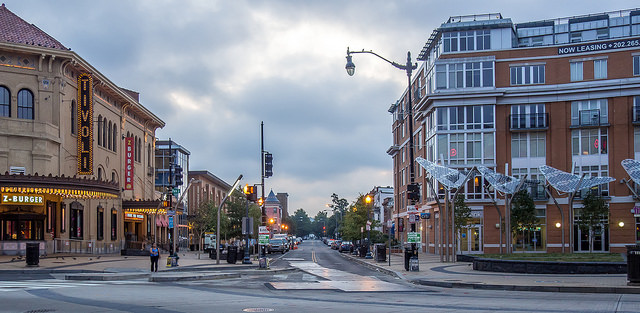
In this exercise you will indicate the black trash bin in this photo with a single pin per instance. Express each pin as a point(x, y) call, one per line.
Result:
point(381, 252)
point(232, 254)
point(212, 254)
point(33, 253)
point(633, 265)
point(407, 256)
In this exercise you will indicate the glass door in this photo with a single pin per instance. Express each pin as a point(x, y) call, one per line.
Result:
point(470, 239)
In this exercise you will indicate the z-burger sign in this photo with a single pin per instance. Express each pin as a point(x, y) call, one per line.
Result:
point(23, 199)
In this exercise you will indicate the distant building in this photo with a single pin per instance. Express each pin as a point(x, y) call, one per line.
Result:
point(380, 195)
point(210, 188)
point(273, 211)
point(283, 197)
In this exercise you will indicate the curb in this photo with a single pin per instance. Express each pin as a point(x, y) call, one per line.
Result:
point(106, 276)
point(211, 276)
point(567, 289)
point(374, 267)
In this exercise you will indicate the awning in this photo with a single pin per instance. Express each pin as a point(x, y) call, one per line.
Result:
point(63, 186)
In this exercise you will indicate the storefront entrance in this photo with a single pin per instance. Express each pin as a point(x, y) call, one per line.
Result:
point(470, 239)
point(600, 235)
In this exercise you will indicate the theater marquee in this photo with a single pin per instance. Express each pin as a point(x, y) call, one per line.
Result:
point(85, 125)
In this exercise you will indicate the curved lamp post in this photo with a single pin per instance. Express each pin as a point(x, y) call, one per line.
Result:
point(368, 200)
point(408, 68)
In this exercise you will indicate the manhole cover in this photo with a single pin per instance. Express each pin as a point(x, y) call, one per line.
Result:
point(258, 310)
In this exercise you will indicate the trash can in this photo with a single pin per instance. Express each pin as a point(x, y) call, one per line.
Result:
point(212, 254)
point(381, 252)
point(264, 263)
point(633, 265)
point(33, 253)
point(407, 256)
point(232, 254)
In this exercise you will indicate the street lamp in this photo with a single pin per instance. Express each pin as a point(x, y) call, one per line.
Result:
point(368, 200)
point(408, 68)
point(235, 185)
point(175, 208)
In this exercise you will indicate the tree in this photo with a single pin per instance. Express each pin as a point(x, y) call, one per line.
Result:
point(356, 219)
point(339, 206)
point(320, 221)
point(462, 213)
point(302, 222)
point(203, 220)
point(235, 208)
point(523, 214)
point(594, 210)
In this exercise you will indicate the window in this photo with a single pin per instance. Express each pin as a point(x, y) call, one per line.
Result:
point(104, 132)
point(576, 71)
point(51, 217)
point(100, 223)
point(5, 102)
point(537, 144)
point(466, 40)
point(74, 117)
point(589, 141)
point(465, 148)
point(464, 75)
point(519, 145)
point(100, 130)
point(25, 104)
point(109, 136)
point(527, 74)
point(600, 69)
point(461, 117)
point(76, 220)
point(114, 224)
point(636, 65)
point(589, 112)
point(115, 138)
point(595, 170)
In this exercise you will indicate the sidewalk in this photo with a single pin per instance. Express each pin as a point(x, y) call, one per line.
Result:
point(461, 275)
point(192, 266)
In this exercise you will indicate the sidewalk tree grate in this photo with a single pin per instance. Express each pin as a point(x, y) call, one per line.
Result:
point(258, 310)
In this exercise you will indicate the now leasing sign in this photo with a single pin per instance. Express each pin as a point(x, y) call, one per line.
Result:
point(24, 199)
point(128, 167)
point(414, 237)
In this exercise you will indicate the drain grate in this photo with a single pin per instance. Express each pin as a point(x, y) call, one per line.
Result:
point(41, 311)
point(258, 310)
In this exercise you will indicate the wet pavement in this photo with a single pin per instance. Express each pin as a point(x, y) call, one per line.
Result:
point(198, 266)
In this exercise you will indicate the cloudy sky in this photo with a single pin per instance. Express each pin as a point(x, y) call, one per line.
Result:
point(213, 70)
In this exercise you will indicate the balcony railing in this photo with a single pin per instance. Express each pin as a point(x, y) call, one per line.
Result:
point(529, 121)
point(589, 118)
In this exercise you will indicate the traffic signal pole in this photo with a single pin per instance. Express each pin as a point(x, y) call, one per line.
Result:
point(263, 217)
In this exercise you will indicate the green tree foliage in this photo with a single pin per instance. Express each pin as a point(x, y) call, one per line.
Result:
point(523, 212)
point(203, 219)
point(339, 207)
point(594, 209)
point(319, 221)
point(235, 208)
point(462, 212)
point(356, 218)
point(302, 222)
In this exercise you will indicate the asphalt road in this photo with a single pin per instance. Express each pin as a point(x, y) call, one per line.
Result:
point(328, 286)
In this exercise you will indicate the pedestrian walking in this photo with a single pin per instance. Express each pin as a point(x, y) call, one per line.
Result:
point(154, 254)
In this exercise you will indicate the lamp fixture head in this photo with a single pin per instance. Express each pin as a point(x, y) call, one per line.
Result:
point(350, 67)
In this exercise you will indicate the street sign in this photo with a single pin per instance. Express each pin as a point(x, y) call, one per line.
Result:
point(170, 221)
point(262, 230)
point(414, 237)
point(263, 239)
point(171, 213)
point(425, 216)
point(389, 222)
point(411, 209)
point(176, 192)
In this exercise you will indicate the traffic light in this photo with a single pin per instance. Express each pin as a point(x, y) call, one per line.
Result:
point(413, 191)
point(177, 172)
point(268, 165)
point(260, 201)
point(250, 193)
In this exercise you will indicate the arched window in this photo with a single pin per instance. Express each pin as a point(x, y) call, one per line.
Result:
point(100, 222)
point(5, 102)
point(99, 173)
point(76, 220)
point(104, 132)
point(149, 154)
point(114, 223)
point(115, 138)
point(25, 104)
point(74, 117)
point(99, 130)
point(110, 136)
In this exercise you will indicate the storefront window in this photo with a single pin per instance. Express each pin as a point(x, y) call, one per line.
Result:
point(76, 220)
point(22, 229)
point(100, 223)
point(637, 229)
point(63, 215)
point(51, 217)
point(114, 224)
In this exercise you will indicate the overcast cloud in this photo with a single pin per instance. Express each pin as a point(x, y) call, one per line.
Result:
point(213, 70)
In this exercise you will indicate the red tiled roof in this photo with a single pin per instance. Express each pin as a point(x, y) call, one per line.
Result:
point(16, 30)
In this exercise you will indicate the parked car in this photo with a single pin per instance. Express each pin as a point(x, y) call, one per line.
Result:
point(336, 244)
point(346, 246)
point(277, 245)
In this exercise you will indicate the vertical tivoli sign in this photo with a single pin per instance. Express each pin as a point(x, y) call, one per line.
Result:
point(85, 124)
